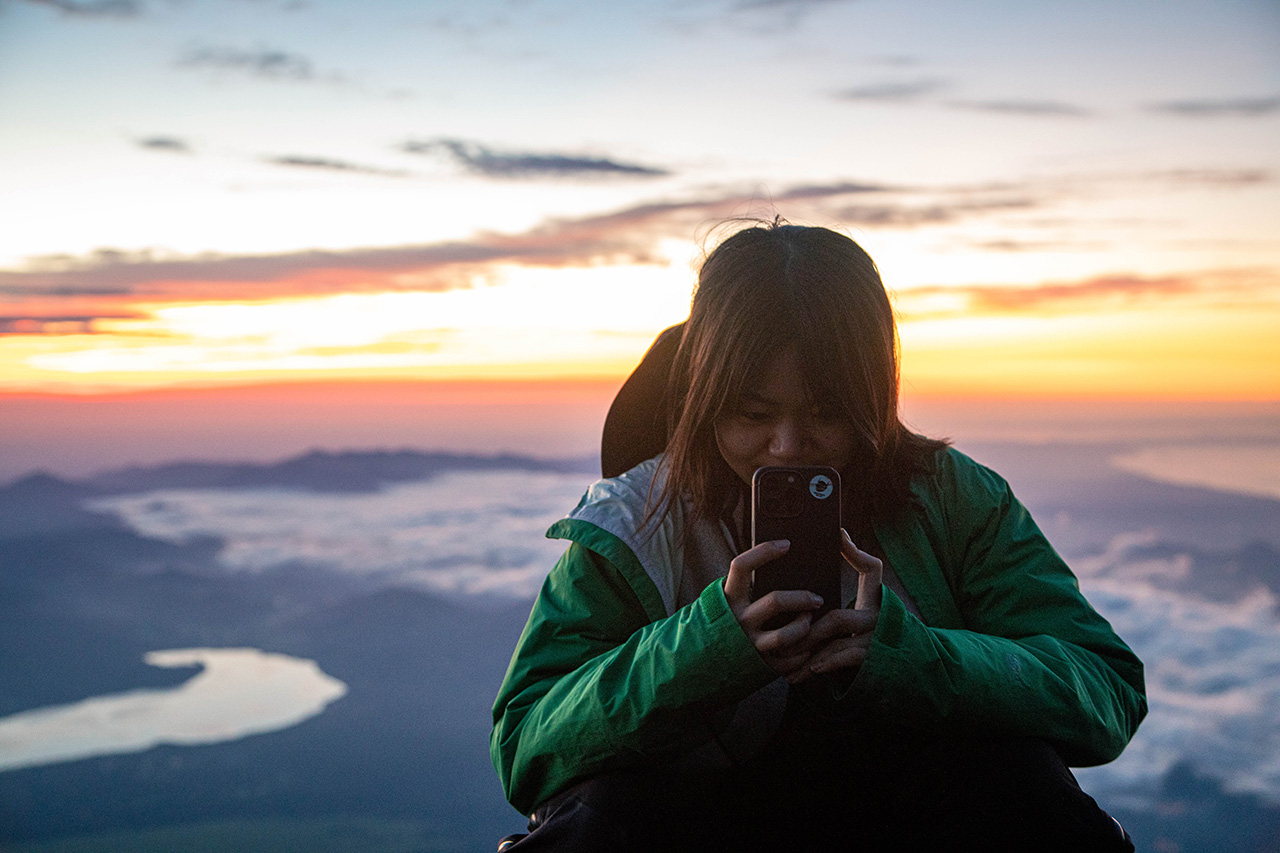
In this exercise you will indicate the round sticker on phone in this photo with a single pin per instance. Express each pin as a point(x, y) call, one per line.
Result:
point(820, 487)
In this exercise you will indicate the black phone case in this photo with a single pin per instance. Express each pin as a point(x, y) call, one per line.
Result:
point(810, 519)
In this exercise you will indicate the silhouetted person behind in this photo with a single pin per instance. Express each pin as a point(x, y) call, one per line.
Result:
point(651, 702)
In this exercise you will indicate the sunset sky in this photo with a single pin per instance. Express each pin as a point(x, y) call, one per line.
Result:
point(1066, 199)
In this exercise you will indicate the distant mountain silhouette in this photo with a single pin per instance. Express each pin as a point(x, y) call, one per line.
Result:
point(41, 504)
point(322, 471)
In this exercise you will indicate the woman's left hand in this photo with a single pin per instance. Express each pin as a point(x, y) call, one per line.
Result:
point(840, 639)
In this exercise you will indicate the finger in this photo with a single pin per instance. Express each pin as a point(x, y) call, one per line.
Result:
point(842, 623)
point(839, 654)
point(799, 674)
point(778, 603)
point(796, 674)
point(737, 586)
point(789, 666)
point(782, 639)
point(870, 573)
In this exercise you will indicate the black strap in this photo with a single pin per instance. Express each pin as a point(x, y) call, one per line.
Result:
point(636, 426)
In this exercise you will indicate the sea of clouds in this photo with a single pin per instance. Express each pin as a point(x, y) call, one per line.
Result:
point(1212, 671)
point(462, 533)
point(1213, 667)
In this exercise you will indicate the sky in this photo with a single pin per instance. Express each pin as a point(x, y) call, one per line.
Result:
point(1065, 200)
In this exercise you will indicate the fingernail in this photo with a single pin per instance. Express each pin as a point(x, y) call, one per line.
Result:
point(847, 538)
point(817, 600)
point(782, 543)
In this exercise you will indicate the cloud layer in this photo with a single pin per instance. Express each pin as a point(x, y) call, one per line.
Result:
point(471, 533)
point(1213, 673)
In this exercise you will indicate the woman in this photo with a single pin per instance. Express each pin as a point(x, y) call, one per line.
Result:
point(652, 701)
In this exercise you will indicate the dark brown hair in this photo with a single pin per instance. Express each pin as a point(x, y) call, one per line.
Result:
point(774, 286)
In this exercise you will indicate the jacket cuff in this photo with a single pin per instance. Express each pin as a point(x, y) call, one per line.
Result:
point(873, 686)
point(733, 652)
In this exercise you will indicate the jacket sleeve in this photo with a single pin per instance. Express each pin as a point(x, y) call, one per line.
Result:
point(1033, 658)
point(593, 685)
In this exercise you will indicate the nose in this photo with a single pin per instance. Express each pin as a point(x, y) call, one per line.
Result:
point(789, 441)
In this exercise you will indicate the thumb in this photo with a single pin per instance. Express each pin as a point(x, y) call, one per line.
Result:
point(870, 574)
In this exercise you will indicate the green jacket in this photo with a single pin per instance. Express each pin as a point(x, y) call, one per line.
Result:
point(611, 671)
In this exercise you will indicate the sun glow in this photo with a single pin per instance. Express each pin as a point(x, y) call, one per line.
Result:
point(1206, 336)
point(1161, 352)
point(528, 321)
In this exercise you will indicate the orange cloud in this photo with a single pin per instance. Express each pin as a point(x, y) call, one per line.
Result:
point(1092, 295)
point(108, 283)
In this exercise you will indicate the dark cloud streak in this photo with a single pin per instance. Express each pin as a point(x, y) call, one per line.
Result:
point(1047, 109)
point(1217, 177)
point(263, 62)
point(775, 16)
point(92, 8)
point(164, 143)
point(1220, 107)
point(746, 5)
point(914, 216)
point(811, 192)
point(329, 165)
point(119, 274)
point(892, 92)
point(482, 160)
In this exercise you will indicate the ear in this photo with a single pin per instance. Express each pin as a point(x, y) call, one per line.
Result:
point(636, 426)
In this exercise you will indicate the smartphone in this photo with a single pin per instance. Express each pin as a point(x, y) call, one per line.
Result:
point(800, 504)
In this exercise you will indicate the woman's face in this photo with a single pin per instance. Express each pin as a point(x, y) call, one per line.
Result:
point(775, 423)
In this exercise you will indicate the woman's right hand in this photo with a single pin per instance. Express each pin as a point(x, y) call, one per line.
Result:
point(783, 648)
